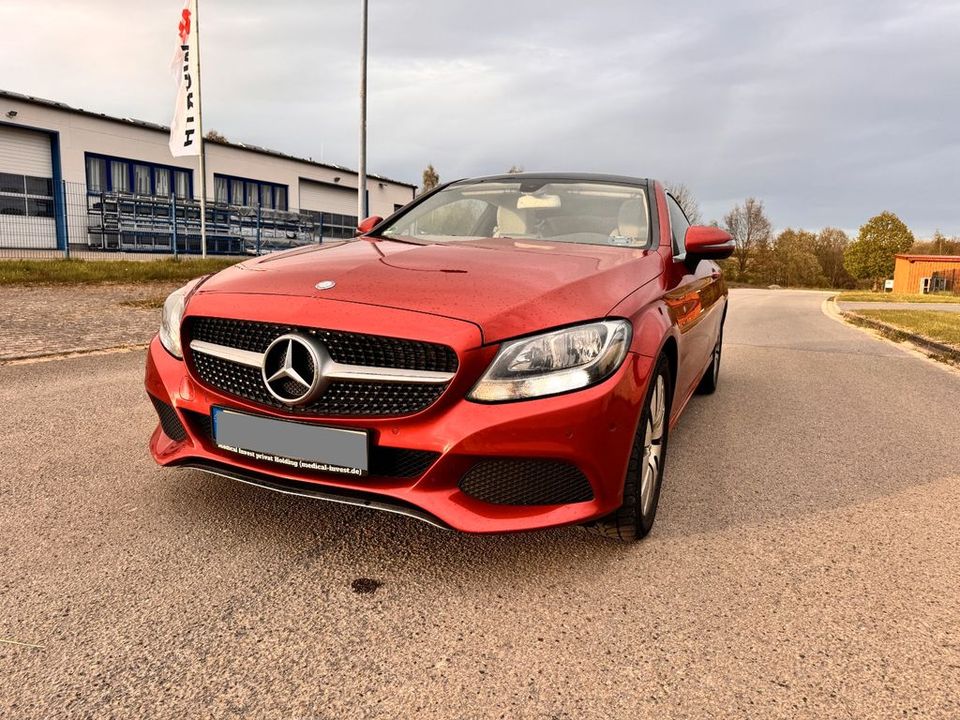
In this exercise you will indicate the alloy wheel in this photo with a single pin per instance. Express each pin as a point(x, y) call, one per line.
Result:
point(653, 445)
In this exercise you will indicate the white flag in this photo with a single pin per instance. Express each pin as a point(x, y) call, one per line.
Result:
point(184, 130)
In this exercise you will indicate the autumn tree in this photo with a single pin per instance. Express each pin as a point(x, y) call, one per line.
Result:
point(829, 248)
point(431, 178)
point(687, 202)
point(751, 231)
point(872, 255)
point(795, 260)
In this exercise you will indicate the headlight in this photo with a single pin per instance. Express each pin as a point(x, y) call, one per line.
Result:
point(172, 315)
point(555, 362)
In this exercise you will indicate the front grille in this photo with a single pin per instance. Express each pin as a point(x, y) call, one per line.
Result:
point(526, 482)
point(385, 462)
point(341, 398)
point(345, 347)
point(172, 427)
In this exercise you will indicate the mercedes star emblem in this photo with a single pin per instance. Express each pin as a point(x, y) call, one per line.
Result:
point(293, 368)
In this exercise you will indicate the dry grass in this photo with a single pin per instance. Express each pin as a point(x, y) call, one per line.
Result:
point(867, 296)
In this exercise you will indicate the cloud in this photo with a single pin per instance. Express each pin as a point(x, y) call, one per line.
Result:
point(830, 112)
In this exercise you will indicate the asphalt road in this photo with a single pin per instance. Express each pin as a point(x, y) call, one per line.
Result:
point(805, 563)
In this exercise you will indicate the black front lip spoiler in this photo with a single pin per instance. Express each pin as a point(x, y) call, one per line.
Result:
point(308, 490)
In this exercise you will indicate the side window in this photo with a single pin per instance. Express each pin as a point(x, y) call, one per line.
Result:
point(678, 225)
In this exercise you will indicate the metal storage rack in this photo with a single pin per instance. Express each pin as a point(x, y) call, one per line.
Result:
point(148, 223)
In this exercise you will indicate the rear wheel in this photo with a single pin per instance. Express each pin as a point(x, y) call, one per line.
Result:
point(641, 487)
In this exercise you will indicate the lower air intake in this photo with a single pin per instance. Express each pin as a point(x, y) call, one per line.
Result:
point(172, 427)
point(526, 482)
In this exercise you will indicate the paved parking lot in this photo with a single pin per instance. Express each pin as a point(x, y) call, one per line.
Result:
point(805, 563)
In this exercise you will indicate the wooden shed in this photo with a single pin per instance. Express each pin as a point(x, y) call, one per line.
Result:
point(915, 274)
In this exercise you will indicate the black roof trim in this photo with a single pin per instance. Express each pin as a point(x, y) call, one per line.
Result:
point(7, 94)
point(578, 176)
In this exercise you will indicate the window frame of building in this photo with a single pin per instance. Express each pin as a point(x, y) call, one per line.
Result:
point(19, 197)
point(125, 174)
point(269, 195)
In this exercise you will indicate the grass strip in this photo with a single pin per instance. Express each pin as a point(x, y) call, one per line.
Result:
point(867, 296)
point(98, 272)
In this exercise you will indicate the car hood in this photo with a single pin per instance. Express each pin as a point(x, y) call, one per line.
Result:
point(506, 287)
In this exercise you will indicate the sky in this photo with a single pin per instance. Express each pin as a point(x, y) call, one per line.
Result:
point(829, 112)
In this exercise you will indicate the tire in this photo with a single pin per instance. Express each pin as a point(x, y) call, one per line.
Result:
point(633, 520)
point(708, 384)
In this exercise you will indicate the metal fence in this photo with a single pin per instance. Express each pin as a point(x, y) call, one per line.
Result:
point(72, 221)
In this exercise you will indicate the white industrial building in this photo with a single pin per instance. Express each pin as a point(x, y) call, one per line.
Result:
point(71, 178)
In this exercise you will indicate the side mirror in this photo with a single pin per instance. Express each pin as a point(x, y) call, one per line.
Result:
point(368, 224)
point(707, 242)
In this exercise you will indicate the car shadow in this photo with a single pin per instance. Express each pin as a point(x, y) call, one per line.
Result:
point(357, 537)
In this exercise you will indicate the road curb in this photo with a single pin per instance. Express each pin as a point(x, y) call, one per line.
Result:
point(940, 350)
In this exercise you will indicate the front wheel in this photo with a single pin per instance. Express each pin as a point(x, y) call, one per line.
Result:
point(633, 520)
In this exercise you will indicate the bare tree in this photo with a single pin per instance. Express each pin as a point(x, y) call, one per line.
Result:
point(515, 170)
point(214, 136)
point(751, 230)
point(431, 178)
point(687, 202)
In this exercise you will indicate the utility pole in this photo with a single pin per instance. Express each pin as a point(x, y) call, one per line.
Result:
point(362, 170)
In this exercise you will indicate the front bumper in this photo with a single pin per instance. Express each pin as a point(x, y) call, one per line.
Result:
point(592, 429)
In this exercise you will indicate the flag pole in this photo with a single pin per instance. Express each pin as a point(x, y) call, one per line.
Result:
point(203, 171)
point(362, 170)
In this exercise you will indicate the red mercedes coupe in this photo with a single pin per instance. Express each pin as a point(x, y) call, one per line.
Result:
point(505, 353)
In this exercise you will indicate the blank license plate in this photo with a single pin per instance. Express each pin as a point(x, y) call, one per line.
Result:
point(294, 444)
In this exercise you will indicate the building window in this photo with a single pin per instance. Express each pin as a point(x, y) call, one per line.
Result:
point(161, 178)
point(110, 174)
point(243, 191)
point(96, 174)
point(119, 176)
point(26, 195)
point(333, 226)
point(142, 181)
point(182, 187)
point(220, 189)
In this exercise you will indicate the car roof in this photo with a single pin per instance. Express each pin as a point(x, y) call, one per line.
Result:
point(581, 177)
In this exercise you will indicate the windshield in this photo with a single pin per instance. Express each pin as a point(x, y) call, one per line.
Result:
point(562, 211)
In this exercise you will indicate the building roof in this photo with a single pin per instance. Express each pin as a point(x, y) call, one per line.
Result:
point(9, 95)
point(930, 258)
